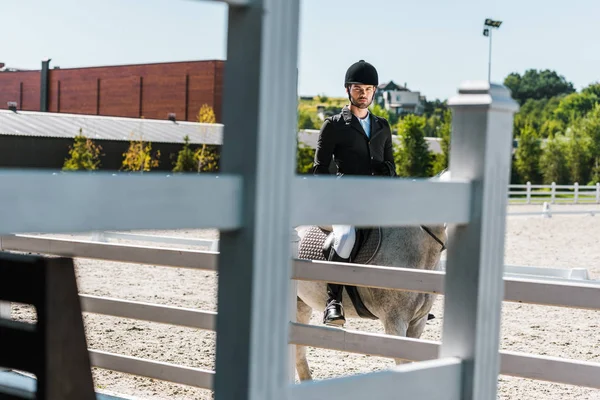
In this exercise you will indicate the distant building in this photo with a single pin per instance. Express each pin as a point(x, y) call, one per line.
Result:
point(171, 90)
point(399, 100)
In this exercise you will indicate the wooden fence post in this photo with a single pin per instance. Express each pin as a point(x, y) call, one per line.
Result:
point(481, 146)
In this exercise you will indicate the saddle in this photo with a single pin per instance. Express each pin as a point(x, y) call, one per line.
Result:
point(316, 245)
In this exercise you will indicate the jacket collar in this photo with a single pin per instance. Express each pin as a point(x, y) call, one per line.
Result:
point(352, 120)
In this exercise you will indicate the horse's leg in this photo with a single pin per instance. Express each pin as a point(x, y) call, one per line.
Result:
point(302, 317)
point(415, 329)
point(398, 327)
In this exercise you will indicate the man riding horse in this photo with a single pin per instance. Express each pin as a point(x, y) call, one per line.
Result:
point(360, 144)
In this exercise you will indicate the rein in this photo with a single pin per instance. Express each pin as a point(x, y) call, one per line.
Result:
point(426, 229)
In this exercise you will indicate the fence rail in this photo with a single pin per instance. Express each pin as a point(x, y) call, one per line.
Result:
point(529, 193)
point(581, 294)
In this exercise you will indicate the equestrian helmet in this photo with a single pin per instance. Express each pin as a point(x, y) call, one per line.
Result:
point(361, 73)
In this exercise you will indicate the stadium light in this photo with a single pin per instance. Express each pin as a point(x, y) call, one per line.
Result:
point(488, 33)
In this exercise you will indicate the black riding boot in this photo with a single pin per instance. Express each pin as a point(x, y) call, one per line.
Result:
point(334, 312)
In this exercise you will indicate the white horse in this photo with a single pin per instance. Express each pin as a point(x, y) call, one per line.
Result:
point(402, 313)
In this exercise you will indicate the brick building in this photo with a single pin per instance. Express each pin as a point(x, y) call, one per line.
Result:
point(151, 91)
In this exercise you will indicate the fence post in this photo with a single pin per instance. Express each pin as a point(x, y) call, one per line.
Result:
point(546, 213)
point(481, 146)
point(528, 192)
point(576, 194)
point(553, 195)
point(598, 192)
point(255, 264)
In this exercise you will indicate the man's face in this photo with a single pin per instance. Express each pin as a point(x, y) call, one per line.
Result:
point(361, 95)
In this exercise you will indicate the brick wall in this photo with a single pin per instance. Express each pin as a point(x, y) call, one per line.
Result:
point(22, 87)
point(149, 90)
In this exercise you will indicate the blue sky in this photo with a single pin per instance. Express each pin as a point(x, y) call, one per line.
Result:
point(430, 45)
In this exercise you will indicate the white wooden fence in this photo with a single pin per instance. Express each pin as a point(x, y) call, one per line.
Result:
point(556, 289)
point(255, 201)
point(576, 193)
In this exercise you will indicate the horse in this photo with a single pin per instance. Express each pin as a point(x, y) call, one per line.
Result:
point(402, 313)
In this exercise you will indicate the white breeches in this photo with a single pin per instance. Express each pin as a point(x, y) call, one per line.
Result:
point(344, 238)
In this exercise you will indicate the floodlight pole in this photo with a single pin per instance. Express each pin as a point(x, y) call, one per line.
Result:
point(490, 59)
point(489, 26)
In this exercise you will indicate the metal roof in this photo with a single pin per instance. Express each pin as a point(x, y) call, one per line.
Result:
point(61, 125)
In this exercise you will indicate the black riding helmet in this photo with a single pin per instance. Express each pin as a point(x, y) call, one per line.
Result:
point(361, 73)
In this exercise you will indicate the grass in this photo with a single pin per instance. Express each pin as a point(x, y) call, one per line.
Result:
point(589, 197)
point(311, 105)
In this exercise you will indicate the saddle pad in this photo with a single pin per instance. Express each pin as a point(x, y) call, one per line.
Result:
point(311, 245)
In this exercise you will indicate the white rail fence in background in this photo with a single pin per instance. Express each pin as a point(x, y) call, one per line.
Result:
point(576, 193)
point(535, 285)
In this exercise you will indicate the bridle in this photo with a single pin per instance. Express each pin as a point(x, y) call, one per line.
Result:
point(426, 229)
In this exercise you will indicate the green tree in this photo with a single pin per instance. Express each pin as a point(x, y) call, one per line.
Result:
point(186, 160)
point(434, 107)
point(207, 157)
point(413, 157)
point(536, 84)
point(440, 161)
point(83, 155)
point(379, 111)
point(304, 158)
point(593, 88)
point(575, 105)
point(577, 153)
point(206, 115)
point(553, 160)
point(527, 155)
point(305, 120)
point(540, 113)
point(552, 127)
point(590, 127)
point(138, 157)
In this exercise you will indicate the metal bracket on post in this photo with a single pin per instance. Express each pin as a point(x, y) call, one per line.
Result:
point(481, 145)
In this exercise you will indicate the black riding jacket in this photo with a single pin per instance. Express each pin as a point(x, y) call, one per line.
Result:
point(342, 136)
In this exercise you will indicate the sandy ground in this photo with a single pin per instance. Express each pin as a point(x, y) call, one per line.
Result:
point(561, 241)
